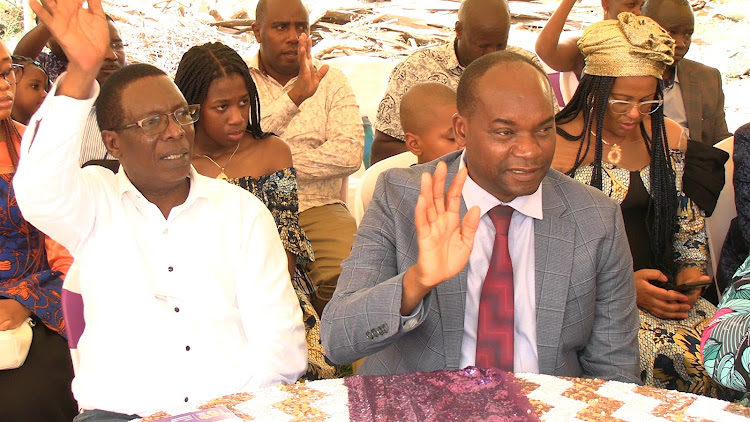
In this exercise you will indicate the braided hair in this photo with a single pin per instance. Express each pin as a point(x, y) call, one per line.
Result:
point(591, 99)
point(202, 64)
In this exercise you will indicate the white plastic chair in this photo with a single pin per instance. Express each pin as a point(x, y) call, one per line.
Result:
point(366, 186)
point(568, 85)
point(369, 79)
point(718, 224)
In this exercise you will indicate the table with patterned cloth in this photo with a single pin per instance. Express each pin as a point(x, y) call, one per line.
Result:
point(473, 394)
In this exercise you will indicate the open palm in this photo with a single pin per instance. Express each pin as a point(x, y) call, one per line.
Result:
point(82, 33)
point(445, 242)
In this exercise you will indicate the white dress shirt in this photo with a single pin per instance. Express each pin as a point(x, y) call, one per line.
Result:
point(521, 248)
point(674, 106)
point(178, 310)
point(92, 146)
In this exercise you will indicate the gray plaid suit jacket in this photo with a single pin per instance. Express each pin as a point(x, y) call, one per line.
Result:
point(587, 320)
point(703, 98)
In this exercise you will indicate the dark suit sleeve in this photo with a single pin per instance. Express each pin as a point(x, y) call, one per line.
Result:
point(612, 349)
point(718, 121)
point(363, 317)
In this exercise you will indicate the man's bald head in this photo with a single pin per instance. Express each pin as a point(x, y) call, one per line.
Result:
point(482, 28)
point(476, 9)
point(468, 91)
point(676, 17)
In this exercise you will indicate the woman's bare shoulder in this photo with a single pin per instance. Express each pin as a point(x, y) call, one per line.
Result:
point(676, 135)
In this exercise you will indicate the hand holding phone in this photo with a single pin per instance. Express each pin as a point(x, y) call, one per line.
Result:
point(682, 288)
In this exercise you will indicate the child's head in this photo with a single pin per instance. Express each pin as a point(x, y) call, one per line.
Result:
point(427, 111)
point(31, 89)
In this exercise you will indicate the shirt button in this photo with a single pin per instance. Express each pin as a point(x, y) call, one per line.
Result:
point(170, 269)
point(165, 231)
point(186, 399)
point(176, 309)
point(187, 348)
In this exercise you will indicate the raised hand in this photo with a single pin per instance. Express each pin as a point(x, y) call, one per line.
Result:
point(82, 33)
point(309, 77)
point(445, 242)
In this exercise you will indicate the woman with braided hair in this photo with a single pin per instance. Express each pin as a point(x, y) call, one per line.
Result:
point(613, 135)
point(32, 268)
point(230, 145)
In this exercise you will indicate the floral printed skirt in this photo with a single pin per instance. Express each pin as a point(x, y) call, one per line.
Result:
point(318, 367)
point(670, 353)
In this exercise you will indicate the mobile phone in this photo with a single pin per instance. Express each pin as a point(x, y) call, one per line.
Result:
point(682, 288)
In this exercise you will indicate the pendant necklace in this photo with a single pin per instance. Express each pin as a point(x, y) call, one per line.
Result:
point(222, 175)
point(615, 151)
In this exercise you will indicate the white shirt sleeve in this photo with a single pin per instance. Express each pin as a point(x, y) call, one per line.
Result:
point(269, 308)
point(52, 191)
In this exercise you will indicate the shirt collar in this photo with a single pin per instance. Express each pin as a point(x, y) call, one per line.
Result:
point(475, 195)
point(670, 83)
point(198, 188)
point(450, 52)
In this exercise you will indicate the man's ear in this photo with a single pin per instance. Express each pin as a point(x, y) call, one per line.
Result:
point(459, 129)
point(605, 6)
point(459, 28)
point(412, 143)
point(112, 142)
point(256, 31)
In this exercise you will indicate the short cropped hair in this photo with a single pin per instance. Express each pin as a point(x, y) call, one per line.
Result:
point(652, 7)
point(466, 92)
point(109, 112)
point(420, 102)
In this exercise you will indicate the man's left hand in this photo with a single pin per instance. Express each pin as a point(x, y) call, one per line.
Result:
point(309, 77)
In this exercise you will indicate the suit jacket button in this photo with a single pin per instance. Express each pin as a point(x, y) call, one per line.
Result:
point(369, 334)
point(385, 328)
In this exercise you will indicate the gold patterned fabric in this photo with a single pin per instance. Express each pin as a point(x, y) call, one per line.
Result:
point(552, 399)
point(278, 191)
point(670, 353)
point(627, 46)
point(669, 349)
point(690, 243)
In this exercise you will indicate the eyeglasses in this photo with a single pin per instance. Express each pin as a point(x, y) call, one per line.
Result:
point(13, 75)
point(117, 45)
point(158, 123)
point(644, 107)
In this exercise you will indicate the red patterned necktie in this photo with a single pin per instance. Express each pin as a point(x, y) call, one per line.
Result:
point(495, 322)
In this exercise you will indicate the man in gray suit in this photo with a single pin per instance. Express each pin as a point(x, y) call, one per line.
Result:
point(409, 295)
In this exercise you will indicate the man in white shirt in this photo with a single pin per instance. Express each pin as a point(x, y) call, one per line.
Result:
point(411, 297)
point(185, 289)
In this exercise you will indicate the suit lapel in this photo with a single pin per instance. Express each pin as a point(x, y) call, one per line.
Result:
point(451, 295)
point(554, 248)
point(691, 99)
